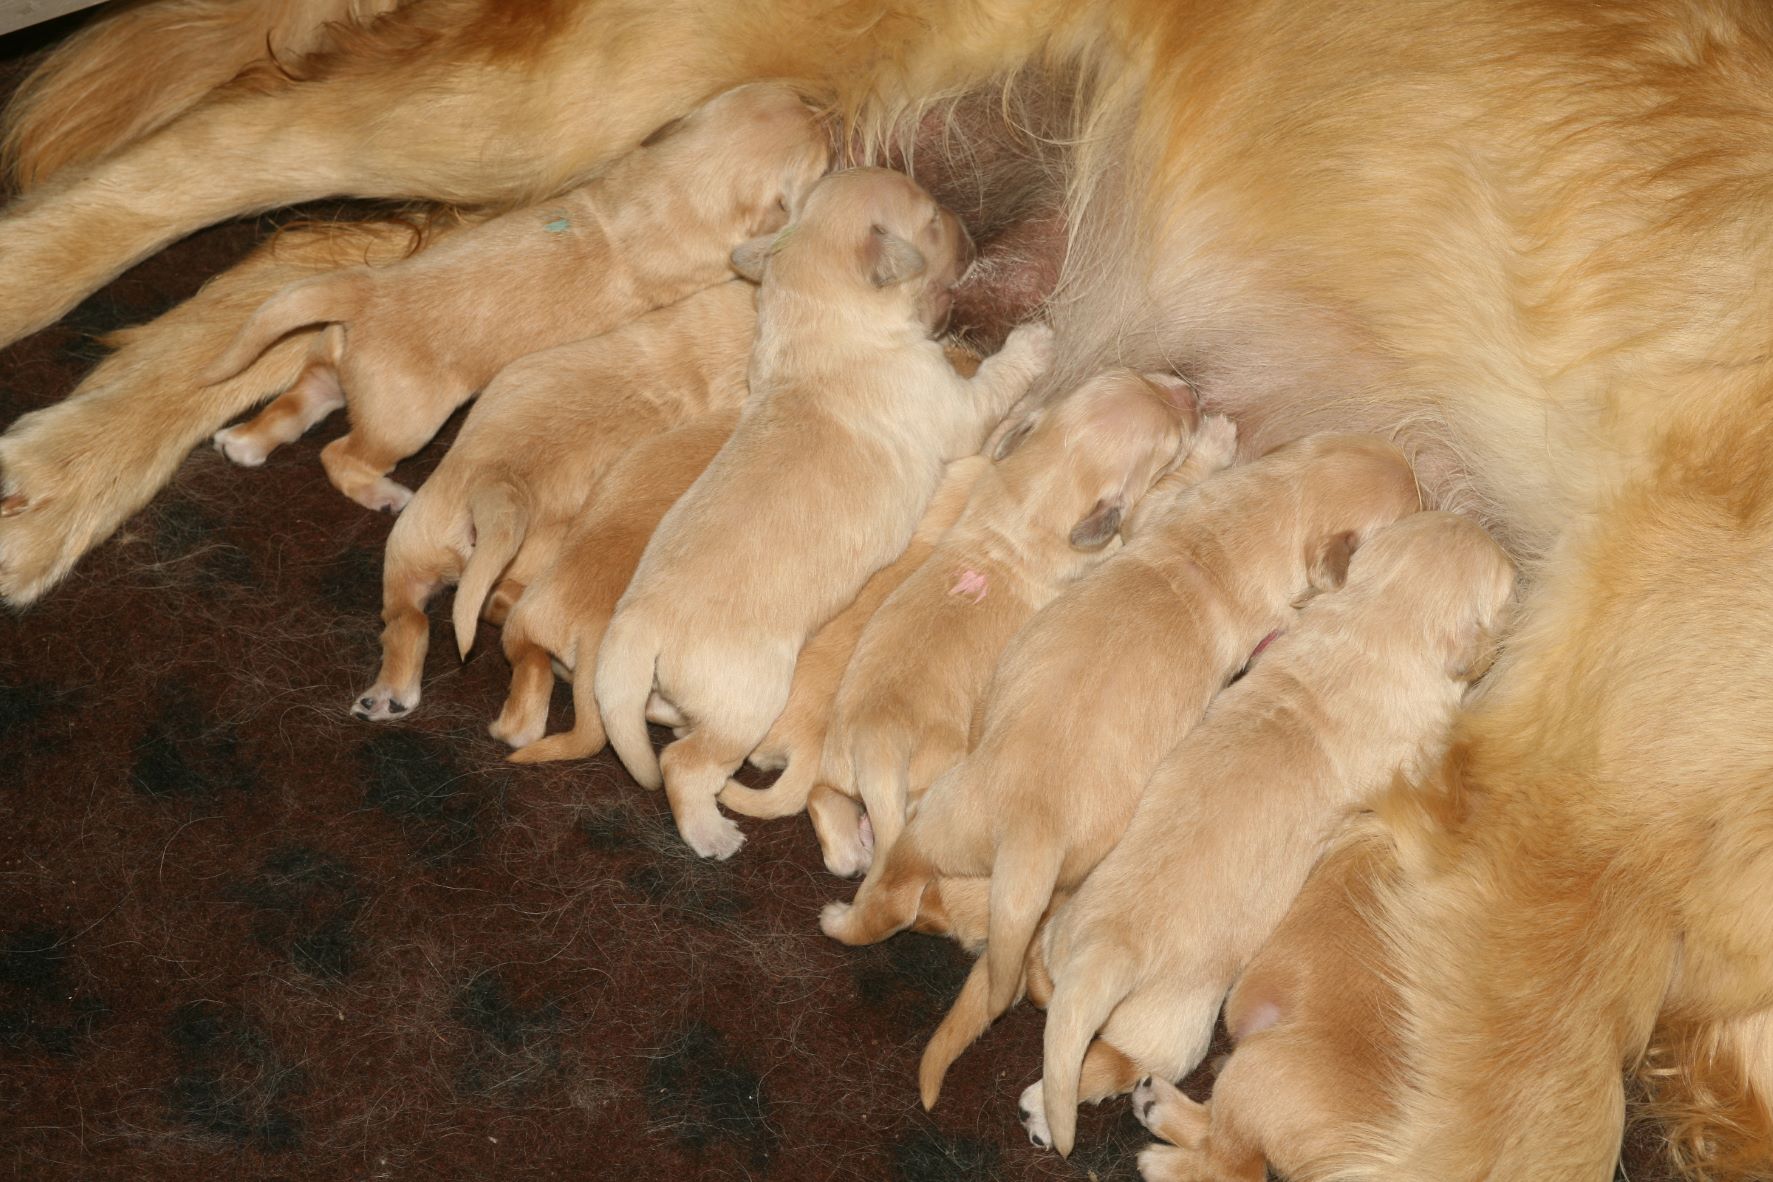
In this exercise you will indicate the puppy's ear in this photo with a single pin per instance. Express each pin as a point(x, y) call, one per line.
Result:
point(750, 256)
point(1099, 527)
point(1012, 437)
point(889, 259)
point(1328, 568)
point(1175, 391)
point(1473, 653)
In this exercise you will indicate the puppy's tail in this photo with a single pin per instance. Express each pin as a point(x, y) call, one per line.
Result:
point(319, 300)
point(1022, 885)
point(500, 517)
point(625, 670)
point(966, 1020)
point(787, 796)
point(587, 737)
point(1080, 1005)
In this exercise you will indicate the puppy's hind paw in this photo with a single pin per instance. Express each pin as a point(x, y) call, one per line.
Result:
point(713, 836)
point(834, 921)
point(1161, 1107)
point(240, 447)
point(383, 496)
point(380, 703)
point(1031, 1110)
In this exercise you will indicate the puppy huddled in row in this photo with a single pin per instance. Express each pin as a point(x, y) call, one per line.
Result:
point(1109, 676)
point(1361, 689)
point(410, 342)
point(529, 454)
point(560, 619)
point(854, 411)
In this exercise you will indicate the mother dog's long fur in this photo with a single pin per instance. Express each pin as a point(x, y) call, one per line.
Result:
point(1532, 239)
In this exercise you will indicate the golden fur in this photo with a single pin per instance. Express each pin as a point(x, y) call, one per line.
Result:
point(796, 741)
point(1530, 237)
point(1315, 1022)
point(560, 617)
point(499, 503)
point(1361, 688)
point(1046, 513)
point(1147, 639)
point(854, 411)
point(409, 343)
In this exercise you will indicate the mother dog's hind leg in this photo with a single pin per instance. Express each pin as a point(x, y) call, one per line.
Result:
point(466, 102)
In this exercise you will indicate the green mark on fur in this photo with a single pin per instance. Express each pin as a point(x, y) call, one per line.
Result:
point(560, 225)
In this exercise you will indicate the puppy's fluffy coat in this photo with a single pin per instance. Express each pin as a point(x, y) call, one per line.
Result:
point(1146, 640)
point(560, 618)
point(1362, 688)
point(854, 410)
point(409, 343)
point(1047, 512)
point(501, 499)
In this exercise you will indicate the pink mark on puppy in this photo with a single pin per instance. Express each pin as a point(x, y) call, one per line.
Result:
point(970, 582)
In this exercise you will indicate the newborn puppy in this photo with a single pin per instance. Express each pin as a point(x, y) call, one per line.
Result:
point(1362, 688)
point(560, 618)
point(1046, 513)
point(854, 411)
point(530, 452)
point(1315, 1022)
point(796, 743)
point(1110, 675)
point(409, 343)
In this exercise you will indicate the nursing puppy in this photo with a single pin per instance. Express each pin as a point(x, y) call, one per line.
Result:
point(559, 620)
point(1316, 1028)
point(498, 503)
point(854, 410)
point(1362, 689)
point(409, 343)
point(1110, 675)
point(796, 742)
point(1045, 514)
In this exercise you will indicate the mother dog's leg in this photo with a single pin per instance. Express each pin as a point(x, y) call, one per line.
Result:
point(73, 471)
point(1615, 856)
point(91, 96)
point(424, 104)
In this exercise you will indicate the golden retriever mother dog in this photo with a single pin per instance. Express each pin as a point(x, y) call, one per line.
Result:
point(1532, 237)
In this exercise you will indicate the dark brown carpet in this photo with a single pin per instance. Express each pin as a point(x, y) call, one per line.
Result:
point(244, 936)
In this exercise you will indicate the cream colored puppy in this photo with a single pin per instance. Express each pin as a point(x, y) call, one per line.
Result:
point(1047, 512)
point(1363, 688)
point(409, 343)
point(1316, 1024)
point(854, 411)
point(531, 451)
point(796, 742)
point(559, 620)
point(1113, 673)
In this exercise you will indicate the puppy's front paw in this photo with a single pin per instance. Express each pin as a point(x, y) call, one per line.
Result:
point(1031, 1109)
point(713, 835)
point(1031, 345)
point(379, 703)
point(238, 444)
point(1215, 443)
point(1166, 1163)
